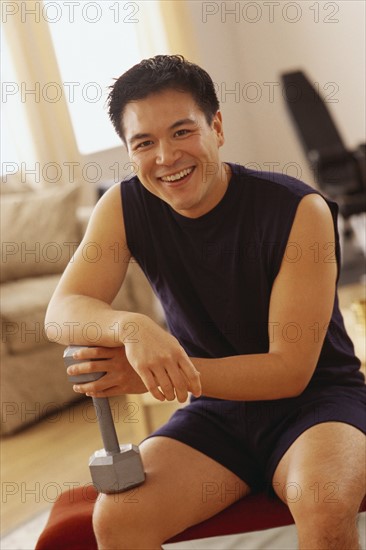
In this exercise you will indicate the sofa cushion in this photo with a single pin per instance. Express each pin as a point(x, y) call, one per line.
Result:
point(23, 307)
point(33, 385)
point(24, 303)
point(39, 231)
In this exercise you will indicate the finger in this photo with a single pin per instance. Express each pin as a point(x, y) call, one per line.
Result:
point(103, 393)
point(152, 385)
point(192, 375)
point(172, 382)
point(102, 383)
point(90, 388)
point(88, 366)
point(164, 381)
point(93, 392)
point(155, 392)
point(179, 382)
point(114, 391)
point(81, 388)
point(97, 352)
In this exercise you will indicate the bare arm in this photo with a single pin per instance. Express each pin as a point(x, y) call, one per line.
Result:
point(302, 295)
point(80, 307)
point(81, 311)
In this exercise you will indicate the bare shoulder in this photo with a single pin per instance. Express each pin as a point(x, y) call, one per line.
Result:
point(313, 239)
point(314, 207)
point(99, 265)
point(313, 220)
point(106, 221)
point(110, 205)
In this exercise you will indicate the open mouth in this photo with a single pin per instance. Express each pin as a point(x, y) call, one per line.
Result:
point(178, 177)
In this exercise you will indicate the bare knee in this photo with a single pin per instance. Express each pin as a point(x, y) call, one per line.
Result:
point(105, 522)
point(326, 524)
point(119, 524)
point(316, 507)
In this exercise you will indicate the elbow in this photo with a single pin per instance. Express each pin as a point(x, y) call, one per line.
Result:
point(294, 388)
point(51, 316)
point(299, 383)
point(297, 389)
point(297, 376)
point(53, 325)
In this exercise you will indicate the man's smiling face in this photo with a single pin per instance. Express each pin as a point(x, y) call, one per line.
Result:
point(176, 151)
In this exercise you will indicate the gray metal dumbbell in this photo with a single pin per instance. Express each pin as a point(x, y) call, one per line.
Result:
point(115, 468)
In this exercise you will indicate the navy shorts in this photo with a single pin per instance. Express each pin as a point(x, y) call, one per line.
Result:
point(250, 437)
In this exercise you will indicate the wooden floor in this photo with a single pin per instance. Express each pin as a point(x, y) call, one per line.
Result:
point(52, 456)
point(40, 462)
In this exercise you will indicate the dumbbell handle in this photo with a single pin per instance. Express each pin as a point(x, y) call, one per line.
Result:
point(101, 404)
point(106, 425)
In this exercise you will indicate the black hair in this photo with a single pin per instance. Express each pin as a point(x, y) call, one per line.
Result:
point(156, 74)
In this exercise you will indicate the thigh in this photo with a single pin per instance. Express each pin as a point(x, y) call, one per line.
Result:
point(183, 487)
point(325, 464)
point(219, 430)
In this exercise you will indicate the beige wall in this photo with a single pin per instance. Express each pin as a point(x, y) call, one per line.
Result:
point(245, 46)
point(331, 53)
point(326, 41)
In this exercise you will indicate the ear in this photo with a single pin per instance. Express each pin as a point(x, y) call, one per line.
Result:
point(218, 128)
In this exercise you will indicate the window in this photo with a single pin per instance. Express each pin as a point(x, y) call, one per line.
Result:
point(9, 150)
point(94, 43)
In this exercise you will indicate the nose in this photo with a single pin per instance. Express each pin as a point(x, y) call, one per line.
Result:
point(167, 154)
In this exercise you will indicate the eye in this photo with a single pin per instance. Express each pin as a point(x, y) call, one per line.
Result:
point(143, 144)
point(182, 132)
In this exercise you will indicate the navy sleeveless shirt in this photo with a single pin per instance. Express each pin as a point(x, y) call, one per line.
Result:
point(214, 274)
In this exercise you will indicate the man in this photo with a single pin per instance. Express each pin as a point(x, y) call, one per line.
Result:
point(245, 266)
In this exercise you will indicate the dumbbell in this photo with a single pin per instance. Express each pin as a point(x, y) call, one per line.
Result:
point(115, 468)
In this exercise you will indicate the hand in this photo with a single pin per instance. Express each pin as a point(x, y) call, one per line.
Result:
point(161, 362)
point(120, 377)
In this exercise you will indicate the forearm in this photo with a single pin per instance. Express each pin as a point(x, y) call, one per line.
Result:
point(248, 377)
point(87, 321)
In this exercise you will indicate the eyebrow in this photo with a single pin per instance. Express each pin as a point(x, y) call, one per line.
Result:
point(176, 124)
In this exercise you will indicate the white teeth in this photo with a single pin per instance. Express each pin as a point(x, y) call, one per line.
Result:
point(178, 176)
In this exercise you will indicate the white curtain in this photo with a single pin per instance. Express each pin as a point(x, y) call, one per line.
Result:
point(35, 108)
point(38, 112)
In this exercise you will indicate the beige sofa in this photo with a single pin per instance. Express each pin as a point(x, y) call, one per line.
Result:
point(39, 232)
